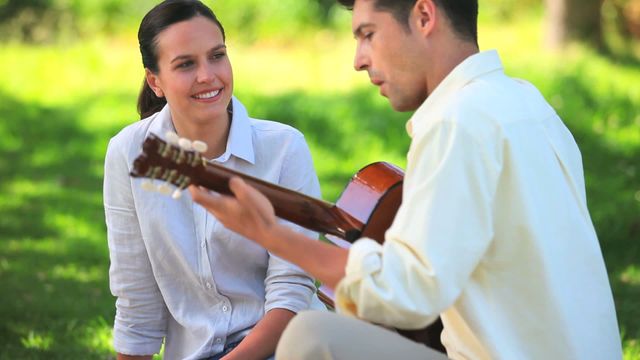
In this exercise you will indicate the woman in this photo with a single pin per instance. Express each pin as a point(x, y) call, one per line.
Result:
point(177, 273)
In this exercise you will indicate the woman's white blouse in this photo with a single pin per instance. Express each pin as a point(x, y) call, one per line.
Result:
point(175, 270)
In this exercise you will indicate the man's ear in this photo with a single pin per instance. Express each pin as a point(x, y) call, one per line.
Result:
point(423, 16)
point(154, 82)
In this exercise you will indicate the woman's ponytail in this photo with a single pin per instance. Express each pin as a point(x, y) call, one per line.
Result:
point(148, 102)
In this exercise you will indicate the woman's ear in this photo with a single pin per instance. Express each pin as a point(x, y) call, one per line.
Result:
point(423, 16)
point(154, 82)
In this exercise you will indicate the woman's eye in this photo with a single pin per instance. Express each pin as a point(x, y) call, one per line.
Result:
point(185, 64)
point(219, 55)
point(368, 35)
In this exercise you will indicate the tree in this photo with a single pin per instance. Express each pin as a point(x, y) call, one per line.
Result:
point(573, 20)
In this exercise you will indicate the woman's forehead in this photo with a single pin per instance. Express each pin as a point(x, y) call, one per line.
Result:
point(190, 36)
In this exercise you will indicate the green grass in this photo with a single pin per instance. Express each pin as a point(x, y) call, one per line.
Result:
point(60, 105)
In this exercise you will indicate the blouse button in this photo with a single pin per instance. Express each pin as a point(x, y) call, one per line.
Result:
point(208, 285)
point(225, 308)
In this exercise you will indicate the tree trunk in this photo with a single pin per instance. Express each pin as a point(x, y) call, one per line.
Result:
point(573, 20)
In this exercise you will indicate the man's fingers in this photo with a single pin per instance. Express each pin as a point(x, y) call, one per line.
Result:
point(220, 206)
point(205, 198)
point(246, 211)
point(198, 195)
point(243, 192)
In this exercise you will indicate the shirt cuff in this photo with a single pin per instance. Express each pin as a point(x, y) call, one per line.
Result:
point(365, 258)
point(135, 347)
point(294, 297)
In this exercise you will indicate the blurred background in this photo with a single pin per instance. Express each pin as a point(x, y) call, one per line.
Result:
point(70, 71)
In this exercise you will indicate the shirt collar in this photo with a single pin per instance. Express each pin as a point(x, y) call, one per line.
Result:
point(162, 123)
point(468, 70)
point(239, 142)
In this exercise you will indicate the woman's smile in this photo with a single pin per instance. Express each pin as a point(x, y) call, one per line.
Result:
point(208, 95)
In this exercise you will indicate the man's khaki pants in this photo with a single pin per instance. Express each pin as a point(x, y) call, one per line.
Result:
point(324, 335)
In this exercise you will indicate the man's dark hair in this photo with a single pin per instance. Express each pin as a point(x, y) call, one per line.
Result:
point(463, 14)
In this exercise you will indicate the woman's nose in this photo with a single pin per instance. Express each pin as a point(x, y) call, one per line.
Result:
point(205, 73)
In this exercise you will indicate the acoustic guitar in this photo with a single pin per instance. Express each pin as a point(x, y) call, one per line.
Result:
point(366, 207)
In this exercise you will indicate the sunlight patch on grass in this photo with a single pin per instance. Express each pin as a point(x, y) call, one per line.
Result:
point(109, 111)
point(515, 41)
point(95, 69)
point(631, 350)
point(631, 275)
point(4, 265)
point(71, 271)
point(37, 341)
point(28, 188)
point(40, 159)
point(56, 74)
point(70, 226)
point(97, 335)
point(10, 143)
point(49, 246)
point(323, 64)
point(23, 188)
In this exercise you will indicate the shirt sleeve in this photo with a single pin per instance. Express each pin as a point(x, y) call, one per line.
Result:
point(287, 286)
point(439, 235)
point(140, 321)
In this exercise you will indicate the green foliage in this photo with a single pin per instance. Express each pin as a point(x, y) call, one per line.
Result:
point(509, 9)
point(610, 141)
point(43, 21)
point(40, 21)
point(53, 269)
point(341, 143)
point(266, 18)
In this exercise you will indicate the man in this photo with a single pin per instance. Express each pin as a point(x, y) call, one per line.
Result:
point(493, 234)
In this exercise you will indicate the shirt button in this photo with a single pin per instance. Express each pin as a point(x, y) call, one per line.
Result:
point(225, 308)
point(218, 340)
point(203, 245)
point(208, 285)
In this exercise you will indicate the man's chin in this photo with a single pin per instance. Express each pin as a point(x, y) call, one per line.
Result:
point(402, 107)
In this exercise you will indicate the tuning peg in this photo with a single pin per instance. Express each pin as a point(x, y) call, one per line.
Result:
point(147, 185)
point(185, 144)
point(164, 189)
point(172, 137)
point(177, 194)
point(199, 146)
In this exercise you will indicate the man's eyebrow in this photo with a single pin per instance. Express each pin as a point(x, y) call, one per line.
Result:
point(181, 57)
point(359, 30)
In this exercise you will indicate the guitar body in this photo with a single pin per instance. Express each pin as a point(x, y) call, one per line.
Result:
point(373, 197)
point(366, 207)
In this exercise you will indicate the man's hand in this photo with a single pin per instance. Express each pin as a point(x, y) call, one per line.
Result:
point(249, 213)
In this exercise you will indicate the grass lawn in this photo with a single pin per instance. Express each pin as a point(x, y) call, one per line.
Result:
point(59, 106)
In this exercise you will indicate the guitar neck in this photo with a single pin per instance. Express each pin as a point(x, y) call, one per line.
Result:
point(311, 213)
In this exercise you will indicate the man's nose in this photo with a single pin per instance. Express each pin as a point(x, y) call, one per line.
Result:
point(361, 60)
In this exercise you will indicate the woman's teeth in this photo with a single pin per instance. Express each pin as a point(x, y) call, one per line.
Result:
point(207, 95)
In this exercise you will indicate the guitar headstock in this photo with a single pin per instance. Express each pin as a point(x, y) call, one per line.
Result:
point(176, 161)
